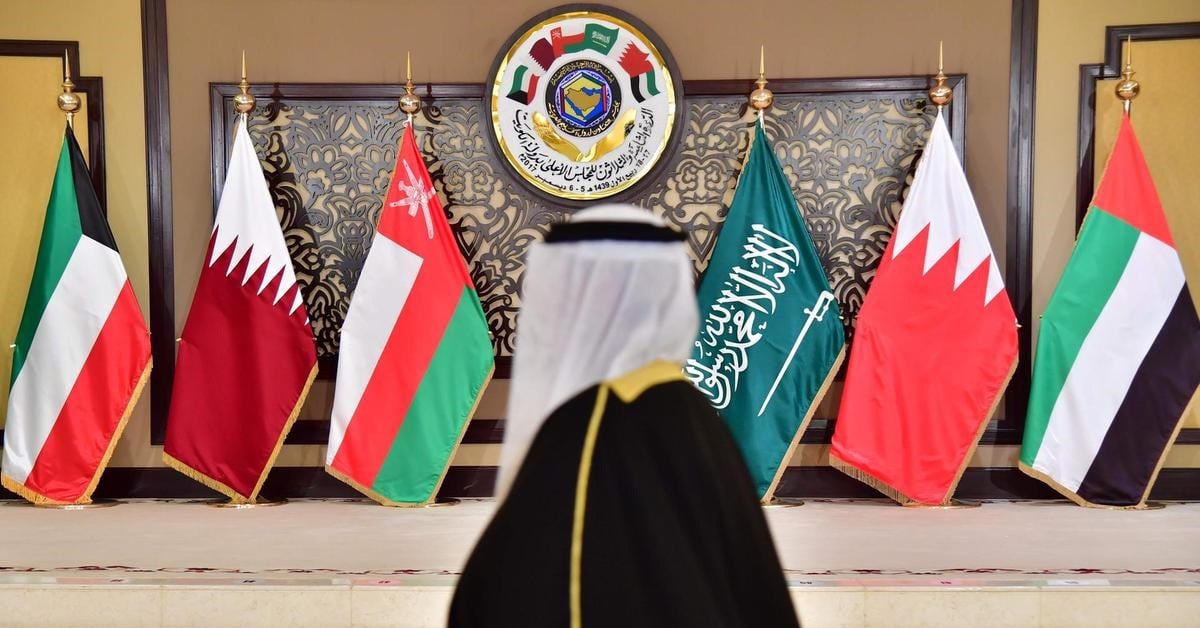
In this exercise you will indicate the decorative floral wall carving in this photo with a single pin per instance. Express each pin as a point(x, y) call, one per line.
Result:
point(848, 157)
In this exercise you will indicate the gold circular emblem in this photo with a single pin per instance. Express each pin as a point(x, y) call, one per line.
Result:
point(583, 102)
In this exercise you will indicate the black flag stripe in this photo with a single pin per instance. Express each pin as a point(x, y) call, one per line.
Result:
point(1152, 408)
point(92, 220)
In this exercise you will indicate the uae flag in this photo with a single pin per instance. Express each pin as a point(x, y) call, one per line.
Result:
point(1118, 356)
point(246, 358)
point(771, 339)
point(415, 352)
point(82, 352)
point(935, 346)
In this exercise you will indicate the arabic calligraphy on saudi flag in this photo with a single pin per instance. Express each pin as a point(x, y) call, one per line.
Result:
point(770, 337)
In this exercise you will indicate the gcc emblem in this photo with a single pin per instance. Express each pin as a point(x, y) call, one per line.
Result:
point(583, 103)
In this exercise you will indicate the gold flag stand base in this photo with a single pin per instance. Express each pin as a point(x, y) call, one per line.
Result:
point(1152, 506)
point(782, 502)
point(258, 503)
point(953, 504)
point(96, 503)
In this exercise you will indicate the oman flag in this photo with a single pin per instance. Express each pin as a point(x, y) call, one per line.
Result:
point(935, 346)
point(82, 353)
point(415, 351)
point(1118, 356)
point(246, 358)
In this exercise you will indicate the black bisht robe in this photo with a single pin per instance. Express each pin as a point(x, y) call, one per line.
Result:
point(672, 531)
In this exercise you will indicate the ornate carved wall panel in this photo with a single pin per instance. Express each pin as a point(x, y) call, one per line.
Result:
point(847, 146)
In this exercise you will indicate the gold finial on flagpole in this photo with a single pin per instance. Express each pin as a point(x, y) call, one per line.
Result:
point(410, 103)
point(940, 93)
point(1128, 88)
point(761, 98)
point(68, 100)
point(243, 103)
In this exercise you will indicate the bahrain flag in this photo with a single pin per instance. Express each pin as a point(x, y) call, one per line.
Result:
point(935, 346)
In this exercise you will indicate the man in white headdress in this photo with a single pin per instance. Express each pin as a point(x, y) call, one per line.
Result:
point(625, 499)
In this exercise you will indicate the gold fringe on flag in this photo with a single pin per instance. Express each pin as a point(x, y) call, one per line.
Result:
point(384, 501)
point(1174, 434)
point(86, 498)
point(458, 442)
point(812, 408)
point(287, 428)
point(1141, 505)
point(904, 500)
point(868, 479)
point(946, 501)
point(227, 490)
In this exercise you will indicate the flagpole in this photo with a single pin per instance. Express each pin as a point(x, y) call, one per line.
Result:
point(410, 103)
point(68, 101)
point(1128, 88)
point(761, 98)
point(940, 93)
point(244, 102)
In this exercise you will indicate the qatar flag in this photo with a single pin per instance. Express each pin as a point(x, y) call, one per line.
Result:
point(246, 358)
point(935, 346)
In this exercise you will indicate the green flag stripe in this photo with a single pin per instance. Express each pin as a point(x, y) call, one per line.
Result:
point(60, 233)
point(651, 84)
point(1105, 244)
point(446, 395)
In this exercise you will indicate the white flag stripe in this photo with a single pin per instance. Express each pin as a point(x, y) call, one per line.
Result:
point(76, 312)
point(1107, 361)
point(247, 214)
point(387, 278)
point(940, 198)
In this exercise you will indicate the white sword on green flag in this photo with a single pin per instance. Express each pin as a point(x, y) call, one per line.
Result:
point(815, 313)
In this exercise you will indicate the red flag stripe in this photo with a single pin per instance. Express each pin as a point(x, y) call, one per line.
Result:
point(104, 392)
point(1128, 192)
point(393, 384)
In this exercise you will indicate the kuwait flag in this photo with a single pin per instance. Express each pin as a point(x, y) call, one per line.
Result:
point(524, 85)
point(1118, 356)
point(936, 343)
point(246, 358)
point(415, 352)
point(82, 352)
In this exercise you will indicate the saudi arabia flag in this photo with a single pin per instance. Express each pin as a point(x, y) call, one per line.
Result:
point(82, 353)
point(771, 338)
point(1118, 357)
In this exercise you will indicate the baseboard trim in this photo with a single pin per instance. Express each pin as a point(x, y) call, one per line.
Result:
point(480, 481)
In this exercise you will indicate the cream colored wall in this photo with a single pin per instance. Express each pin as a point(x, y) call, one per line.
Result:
point(110, 46)
point(365, 41)
point(1070, 33)
point(32, 126)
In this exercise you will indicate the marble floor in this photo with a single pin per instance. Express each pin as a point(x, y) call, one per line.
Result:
point(341, 562)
